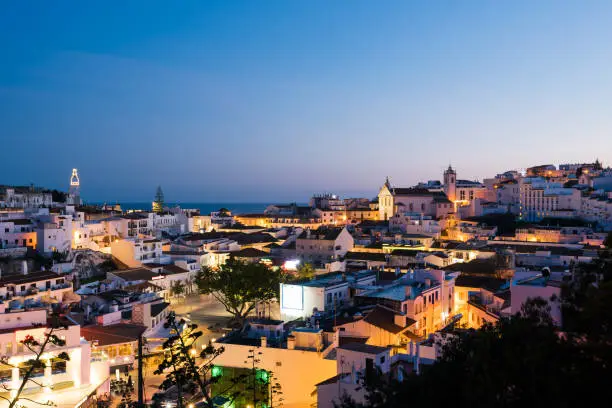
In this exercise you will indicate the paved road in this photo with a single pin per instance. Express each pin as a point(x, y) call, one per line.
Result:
point(210, 316)
point(207, 313)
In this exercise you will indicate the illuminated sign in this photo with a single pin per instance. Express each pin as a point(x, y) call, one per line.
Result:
point(292, 297)
point(291, 265)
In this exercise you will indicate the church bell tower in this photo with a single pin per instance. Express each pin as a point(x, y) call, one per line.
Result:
point(450, 183)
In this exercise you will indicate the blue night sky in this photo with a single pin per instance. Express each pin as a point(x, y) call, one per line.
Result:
point(274, 100)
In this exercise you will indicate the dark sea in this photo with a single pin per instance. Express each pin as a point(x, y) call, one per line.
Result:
point(205, 208)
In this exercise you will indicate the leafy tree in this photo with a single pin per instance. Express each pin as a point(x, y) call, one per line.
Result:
point(158, 203)
point(58, 196)
point(186, 368)
point(239, 286)
point(29, 368)
point(306, 271)
point(521, 361)
point(190, 285)
point(124, 389)
point(608, 241)
point(177, 288)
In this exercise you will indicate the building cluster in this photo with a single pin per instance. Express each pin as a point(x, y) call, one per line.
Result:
point(409, 270)
point(394, 276)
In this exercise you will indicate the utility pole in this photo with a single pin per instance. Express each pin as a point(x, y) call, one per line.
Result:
point(140, 377)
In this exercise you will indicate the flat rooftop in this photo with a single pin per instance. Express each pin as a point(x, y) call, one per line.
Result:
point(335, 278)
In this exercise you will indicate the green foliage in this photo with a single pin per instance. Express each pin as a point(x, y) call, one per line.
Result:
point(521, 361)
point(505, 223)
point(177, 288)
point(58, 196)
point(158, 203)
point(238, 286)
point(123, 389)
point(37, 347)
point(185, 367)
point(306, 271)
point(59, 256)
point(107, 266)
point(608, 241)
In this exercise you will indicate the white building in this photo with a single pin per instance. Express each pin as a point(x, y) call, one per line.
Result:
point(24, 197)
point(324, 244)
point(71, 381)
point(392, 200)
point(35, 288)
point(17, 233)
point(322, 294)
point(416, 223)
point(134, 252)
point(56, 235)
point(426, 296)
point(540, 198)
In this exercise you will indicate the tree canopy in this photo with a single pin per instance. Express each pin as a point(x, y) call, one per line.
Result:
point(185, 367)
point(305, 271)
point(523, 360)
point(239, 286)
point(608, 241)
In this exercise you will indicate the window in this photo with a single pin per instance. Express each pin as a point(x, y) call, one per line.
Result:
point(38, 371)
point(9, 348)
point(382, 359)
point(58, 366)
point(6, 374)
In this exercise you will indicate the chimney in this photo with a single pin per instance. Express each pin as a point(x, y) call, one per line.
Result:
point(427, 282)
point(24, 267)
point(291, 343)
point(408, 289)
point(264, 342)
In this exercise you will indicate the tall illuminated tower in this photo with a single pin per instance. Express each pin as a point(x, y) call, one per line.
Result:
point(450, 183)
point(74, 193)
